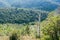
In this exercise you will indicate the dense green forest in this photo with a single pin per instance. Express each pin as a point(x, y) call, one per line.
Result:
point(51, 26)
point(20, 15)
point(29, 19)
point(11, 24)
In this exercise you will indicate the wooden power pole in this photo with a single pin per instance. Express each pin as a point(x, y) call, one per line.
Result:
point(38, 25)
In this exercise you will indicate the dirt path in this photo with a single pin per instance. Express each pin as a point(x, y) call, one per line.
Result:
point(4, 38)
point(22, 38)
point(28, 38)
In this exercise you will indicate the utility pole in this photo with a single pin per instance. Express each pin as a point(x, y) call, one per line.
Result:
point(38, 25)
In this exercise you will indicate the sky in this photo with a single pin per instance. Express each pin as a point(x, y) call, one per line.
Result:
point(9, 2)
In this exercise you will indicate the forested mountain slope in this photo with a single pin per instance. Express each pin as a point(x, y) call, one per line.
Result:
point(51, 26)
point(47, 5)
point(19, 15)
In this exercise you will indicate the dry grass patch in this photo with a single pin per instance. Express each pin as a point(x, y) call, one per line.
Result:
point(4, 37)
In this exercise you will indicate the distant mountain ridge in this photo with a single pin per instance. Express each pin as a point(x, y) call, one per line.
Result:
point(38, 4)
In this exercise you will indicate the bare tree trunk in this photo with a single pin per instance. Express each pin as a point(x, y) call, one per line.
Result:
point(52, 36)
point(56, 36)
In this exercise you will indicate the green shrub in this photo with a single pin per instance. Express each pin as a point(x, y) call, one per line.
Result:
point(15, 35)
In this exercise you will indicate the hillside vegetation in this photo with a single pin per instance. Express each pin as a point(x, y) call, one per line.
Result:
point(51, 27)
point(20, 15)
point(11, 24)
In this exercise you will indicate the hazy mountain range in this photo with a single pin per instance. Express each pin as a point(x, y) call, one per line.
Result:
point(47, 5)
